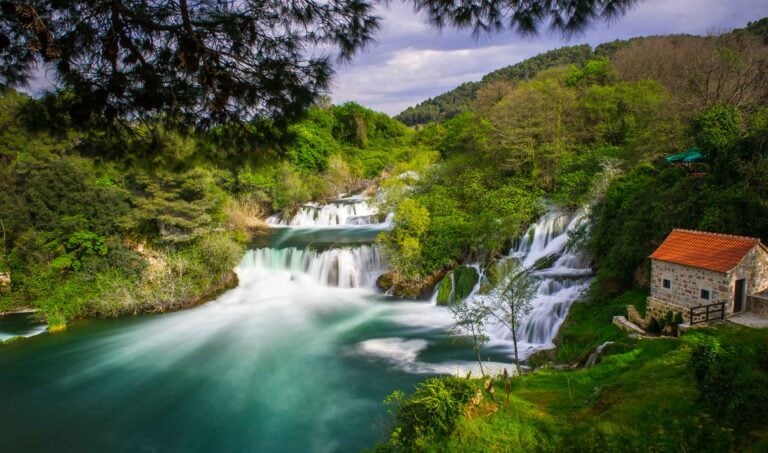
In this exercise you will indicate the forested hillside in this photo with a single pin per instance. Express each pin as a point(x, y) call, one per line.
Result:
point(109, 221)
point(463, 97)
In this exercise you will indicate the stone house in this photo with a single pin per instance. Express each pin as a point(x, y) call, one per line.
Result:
point(706, 276)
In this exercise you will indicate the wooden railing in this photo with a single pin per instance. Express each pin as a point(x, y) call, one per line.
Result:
point(707, 313)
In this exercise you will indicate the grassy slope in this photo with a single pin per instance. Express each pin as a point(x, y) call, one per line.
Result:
point(642, 396)
point(588, 325)
point(644, 399)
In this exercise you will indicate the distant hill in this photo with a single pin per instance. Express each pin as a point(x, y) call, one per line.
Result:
point(450, 104)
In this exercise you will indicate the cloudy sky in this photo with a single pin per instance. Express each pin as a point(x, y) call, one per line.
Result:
point(412, 62)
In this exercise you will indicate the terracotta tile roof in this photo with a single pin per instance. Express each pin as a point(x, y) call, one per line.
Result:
point(713, 251)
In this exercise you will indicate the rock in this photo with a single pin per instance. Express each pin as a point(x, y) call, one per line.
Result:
point(385, 281)
point(411, 289)
point(464, 280)
point(444, 290)
point(622, 323)
point(634, 317)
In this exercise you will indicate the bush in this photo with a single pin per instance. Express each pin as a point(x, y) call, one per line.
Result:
point(731, 382)
point(220, 253)
point(430, 413)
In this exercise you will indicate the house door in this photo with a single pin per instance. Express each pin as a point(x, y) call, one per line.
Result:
point(738, 296)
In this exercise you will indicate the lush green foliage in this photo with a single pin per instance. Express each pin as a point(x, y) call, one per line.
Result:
point(402, 245)
point(589, 325)
point(158, 221)
point(596, 132)
point(607, 407)
point(428, 414)
point(732, 377)
point(642, 207)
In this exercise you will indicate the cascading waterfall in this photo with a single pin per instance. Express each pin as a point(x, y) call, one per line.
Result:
point(352, 267)
point(344, 211)
point(560, 283)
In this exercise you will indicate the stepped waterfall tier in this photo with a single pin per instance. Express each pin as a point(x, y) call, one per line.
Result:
point(341, 267)
point(562, 275)
point(297, 357)
point(344, 211)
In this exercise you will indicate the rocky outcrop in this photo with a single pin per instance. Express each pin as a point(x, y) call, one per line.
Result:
point(411, 289)
point(457, 285)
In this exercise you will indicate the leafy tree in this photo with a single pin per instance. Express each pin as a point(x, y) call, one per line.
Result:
point(509, 299)
point(718, 132)
point(209, 61)
point(471, 316)
point(213, 61)
point(403, 245)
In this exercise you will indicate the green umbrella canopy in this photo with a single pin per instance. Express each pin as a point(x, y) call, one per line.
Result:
point(692, 155)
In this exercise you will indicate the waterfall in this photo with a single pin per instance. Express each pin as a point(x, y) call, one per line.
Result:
point(563, 275)
point(352, 267)
point(344, 211)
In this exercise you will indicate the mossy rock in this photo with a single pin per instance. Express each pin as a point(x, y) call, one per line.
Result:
point(464, 278)
point(385, 281)
point(545, 262)
point(444, 291)
point(410, 289)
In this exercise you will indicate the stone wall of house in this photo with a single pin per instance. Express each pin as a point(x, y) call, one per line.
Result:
point(754, 269)
point(757, 304)
point(687, 283)
point(658, 308)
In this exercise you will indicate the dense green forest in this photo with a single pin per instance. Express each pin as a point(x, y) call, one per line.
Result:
point(597, 133)
point(112, 221)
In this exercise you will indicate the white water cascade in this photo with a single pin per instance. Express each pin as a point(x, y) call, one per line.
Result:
point(352, 267)
point(347, 211)
point(563, 275)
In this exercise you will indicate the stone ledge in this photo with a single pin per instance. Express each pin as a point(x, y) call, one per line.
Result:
point(622, 323)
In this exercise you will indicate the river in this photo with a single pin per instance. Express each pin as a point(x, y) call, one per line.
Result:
point(298, 357)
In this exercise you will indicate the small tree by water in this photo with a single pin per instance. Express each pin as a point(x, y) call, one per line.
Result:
point(509, 300)
point(471, 315)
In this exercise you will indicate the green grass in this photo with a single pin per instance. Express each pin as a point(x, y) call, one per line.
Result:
point(641, 396)
point(641, 400)
point(588, 325)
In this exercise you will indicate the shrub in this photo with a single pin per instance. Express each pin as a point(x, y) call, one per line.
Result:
point(219, 252)
point(731, 382)
point(430, 413)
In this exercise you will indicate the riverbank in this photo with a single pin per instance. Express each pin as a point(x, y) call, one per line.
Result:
point(625, 402)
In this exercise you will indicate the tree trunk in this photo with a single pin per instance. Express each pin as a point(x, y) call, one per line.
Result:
point(514, 340)
point(479, 359)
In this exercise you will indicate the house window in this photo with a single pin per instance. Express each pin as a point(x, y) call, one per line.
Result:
point(666, 283)
point(705, 294)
